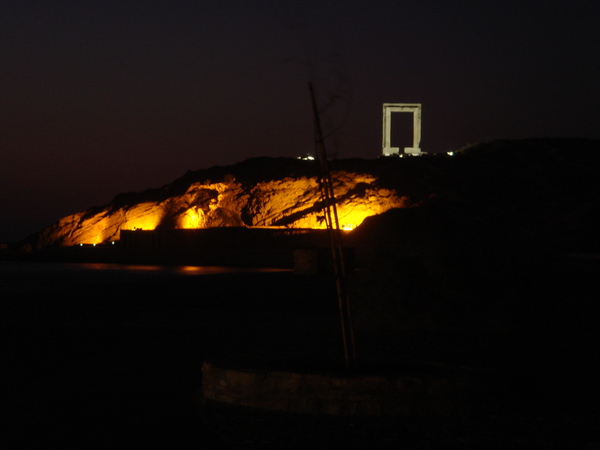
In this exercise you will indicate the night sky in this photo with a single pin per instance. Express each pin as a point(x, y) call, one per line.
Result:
point(98, 98)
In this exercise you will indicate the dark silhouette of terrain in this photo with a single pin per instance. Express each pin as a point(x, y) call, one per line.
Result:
point(492, 272)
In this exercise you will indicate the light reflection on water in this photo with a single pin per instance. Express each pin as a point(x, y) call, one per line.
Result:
point(21, 280)
point(181, 270)
point(178, 270)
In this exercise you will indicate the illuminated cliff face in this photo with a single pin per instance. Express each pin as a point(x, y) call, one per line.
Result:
point(292, 202)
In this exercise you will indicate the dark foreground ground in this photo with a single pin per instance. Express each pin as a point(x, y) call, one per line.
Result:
point(101, 357)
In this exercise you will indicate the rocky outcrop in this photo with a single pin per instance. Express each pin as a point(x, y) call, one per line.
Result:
point(289, 197)
point(542, 190)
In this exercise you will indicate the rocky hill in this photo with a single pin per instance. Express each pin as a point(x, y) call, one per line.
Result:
point(546, 188)
point(258, 192)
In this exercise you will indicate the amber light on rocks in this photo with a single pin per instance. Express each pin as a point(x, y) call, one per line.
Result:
point(289, 202)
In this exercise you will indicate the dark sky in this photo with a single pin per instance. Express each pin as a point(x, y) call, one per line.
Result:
point(98, 98)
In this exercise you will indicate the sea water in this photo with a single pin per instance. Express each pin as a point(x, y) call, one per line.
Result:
point(101, 355)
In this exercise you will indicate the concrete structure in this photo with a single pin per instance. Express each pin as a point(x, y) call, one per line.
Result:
point(405, 395)
point(303, 249)
point(388, 109)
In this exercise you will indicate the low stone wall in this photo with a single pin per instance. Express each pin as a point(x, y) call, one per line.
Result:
point(352, 395)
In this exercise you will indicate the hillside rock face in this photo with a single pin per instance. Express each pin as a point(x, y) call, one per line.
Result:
point(289, 198)
point(540, 192)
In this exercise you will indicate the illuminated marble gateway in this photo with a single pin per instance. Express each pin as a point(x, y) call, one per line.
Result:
point(416, 110)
